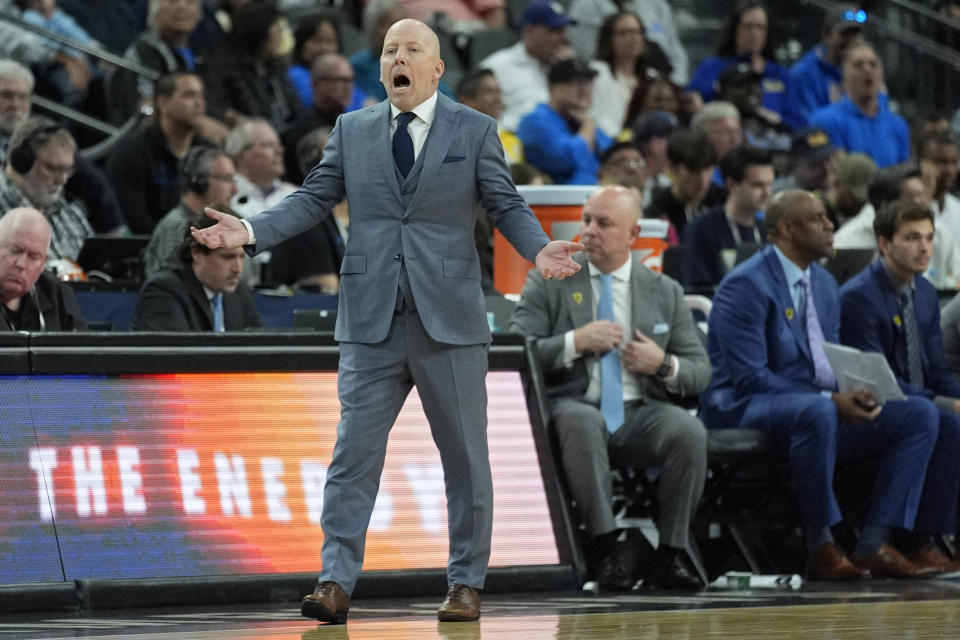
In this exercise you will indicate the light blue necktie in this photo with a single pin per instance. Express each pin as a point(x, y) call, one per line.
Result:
point(217, 303)
point(823, 376)
point(611, 385)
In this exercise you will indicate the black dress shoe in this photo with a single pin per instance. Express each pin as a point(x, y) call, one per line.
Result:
point(614, 567)
point(671, 570)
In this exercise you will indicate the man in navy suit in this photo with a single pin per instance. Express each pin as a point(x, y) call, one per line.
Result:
point(770, 318)
point(890, 308)
point(411, 310)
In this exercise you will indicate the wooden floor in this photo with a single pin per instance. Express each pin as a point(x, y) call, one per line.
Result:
point(877, 610)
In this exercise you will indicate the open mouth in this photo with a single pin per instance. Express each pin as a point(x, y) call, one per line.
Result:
point(401, 81)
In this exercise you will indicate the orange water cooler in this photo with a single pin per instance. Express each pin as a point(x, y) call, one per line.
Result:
point(558, 208)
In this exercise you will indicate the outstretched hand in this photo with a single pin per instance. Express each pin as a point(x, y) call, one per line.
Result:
point(554, 259)
point(228, 233)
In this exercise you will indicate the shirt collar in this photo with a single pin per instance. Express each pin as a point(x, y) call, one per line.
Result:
point(899, 287)
point(621, 273)
point(426, 110)
point(790, 268)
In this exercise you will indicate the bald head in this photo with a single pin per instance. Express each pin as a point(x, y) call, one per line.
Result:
point(784, 206)
point(410, 64)
point(24, 241)
point(608, 226)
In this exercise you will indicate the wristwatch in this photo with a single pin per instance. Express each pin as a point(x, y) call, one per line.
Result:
point(665, 367)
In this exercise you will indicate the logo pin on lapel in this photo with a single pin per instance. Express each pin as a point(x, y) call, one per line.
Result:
point(789, 313)
point(577, 297)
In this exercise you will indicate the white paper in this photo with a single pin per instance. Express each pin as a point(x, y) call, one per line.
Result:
point(856, 369)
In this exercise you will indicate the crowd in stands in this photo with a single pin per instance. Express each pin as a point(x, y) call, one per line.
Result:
point(746, 157)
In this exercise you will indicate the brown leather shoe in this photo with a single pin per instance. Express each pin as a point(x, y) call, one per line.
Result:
point(890, 563)
point(829, 563)
point(327, 603)
point(931, 556)
point(462, 604)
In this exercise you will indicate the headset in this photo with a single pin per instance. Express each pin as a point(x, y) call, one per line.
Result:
point(24, 155)
point(196, 167)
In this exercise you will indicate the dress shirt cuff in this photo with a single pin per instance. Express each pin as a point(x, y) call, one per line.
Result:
point(253, 239)
point(672, 381)
point(569, 350)
point(944, 402)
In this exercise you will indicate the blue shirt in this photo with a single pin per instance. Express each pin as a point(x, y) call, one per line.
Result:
point(793, 275)
point(884, 137)
point(550, 146)
point(303, 85)
point(812, 83)
point(774, 81)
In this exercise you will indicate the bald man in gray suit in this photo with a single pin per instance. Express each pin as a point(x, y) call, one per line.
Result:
point(411, 307)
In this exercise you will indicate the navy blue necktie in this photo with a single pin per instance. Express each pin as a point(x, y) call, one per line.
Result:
point(403, 143)
point(914, 353)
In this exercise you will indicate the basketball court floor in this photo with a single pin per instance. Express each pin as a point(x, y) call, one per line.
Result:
point(899, 610)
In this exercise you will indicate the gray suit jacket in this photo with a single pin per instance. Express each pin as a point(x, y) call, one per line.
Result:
point(549, 308)
point(461, 164)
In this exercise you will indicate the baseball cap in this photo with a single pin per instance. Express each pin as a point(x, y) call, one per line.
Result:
point(550, 14)
point(811, 144)
point(653, 124)
point(855, 171)
point(570, 70)
point(844, 16)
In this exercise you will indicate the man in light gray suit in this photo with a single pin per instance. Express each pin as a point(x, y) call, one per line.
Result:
point(411, 308)
point(655, 355)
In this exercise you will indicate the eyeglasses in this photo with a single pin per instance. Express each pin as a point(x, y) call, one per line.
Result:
point(855, 16)
point(223, 177)
point(64, 171)
point(630, 163)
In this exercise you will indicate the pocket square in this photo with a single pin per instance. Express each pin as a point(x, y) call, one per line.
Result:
point(660, 327)
point(453, 158)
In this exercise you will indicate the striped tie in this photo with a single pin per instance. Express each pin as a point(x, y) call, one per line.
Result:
point(914, 353)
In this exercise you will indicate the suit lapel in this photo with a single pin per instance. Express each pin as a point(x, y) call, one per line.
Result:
point(641, 308)
point(379, 138)
point(791, 315)
point(578, 294)
point(445, 123)
point(198, 296)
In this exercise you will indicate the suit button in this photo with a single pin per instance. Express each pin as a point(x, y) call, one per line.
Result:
point(406, 221)
point(398, 258)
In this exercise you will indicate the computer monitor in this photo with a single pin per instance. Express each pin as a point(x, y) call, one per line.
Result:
point(118, 258)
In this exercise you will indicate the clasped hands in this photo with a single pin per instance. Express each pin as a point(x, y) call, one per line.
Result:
point(641, 355)
point(856, 406)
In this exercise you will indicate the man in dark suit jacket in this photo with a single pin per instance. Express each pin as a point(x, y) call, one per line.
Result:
point(663, 357)
point(187, 298)
point(890, 308)
point(411, 308)
point(770, 318)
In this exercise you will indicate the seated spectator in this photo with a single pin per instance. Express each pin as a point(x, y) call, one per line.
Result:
point(624, 57)
point(39, 163)
point(313, 38)
point(950, 326)
point(88, 183)
point(816, 79)
point(660, 28)
point(312, 259)
point(746, 39)
point(479, 90)
point(712, 238)
point(654, 93)
point(888, 308)
point(464, 16)
point(332, 92)
point(691, 162)
point(33, 299)
point(937, 156)
point(205, 292)
point(522, 69)
point(720, 122)
point(614, 362)
point(144, 166)
point(378, 17)
point(650, 132)
point(249, 79)
point(207, 176)
point(861, 121)
point(855, 172)
point(163, 48)
point(559, 137)
point(739, 85)
point(622, 164)
point(770, 318)
point(258, 155)
point(812, 163)
point(112, 24)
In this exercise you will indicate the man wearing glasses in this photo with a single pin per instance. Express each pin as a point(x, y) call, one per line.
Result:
point(39, 163)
